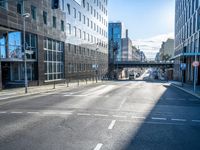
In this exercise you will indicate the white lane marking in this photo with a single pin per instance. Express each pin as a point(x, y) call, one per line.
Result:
point(65, 113)
point(179, 120)
point(3, 112)
point(181, 99)
point(75, 95)
point(155, 118)
point(98, 147)
point(48, 113)
point(110, 127)
point(16, 112)
point(100, 115)
point(194, 100)
point(135, 117)
point(122, 103)
point(33, 112)
point(196, 121)
point(83, 114)
point(118, 116)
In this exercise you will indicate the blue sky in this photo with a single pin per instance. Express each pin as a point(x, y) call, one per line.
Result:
point(146, 20)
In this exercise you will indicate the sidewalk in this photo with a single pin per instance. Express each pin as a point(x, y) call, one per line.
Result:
point(189, 88)
point(33, 90)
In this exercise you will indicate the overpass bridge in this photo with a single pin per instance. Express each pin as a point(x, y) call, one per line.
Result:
point(146, 64)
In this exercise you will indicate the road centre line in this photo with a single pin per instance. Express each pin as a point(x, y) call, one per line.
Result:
point(196, 121)
point(65, 113)
point(118, 116)
point(100, 115)
point(135, 117)
point(110, 127)
point(98, 147)
point(32, 112)
point(83, 114)
point(155, 118)
point(16, 112)
point(178, 120)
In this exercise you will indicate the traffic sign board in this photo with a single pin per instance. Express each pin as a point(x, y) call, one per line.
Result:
point(183, 66)
point(195, 64)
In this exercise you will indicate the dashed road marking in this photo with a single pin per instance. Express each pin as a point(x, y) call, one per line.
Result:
point(179, 120)
point(98, 147)
point(49, 113)
point(118, 116)
point(3, 112)
point(83, 114)
point(65, 113)
point(196, 121)
point(136, 117)
point(32, 112)
point(75, 95)
point(155, 118)
point(110, 127)
point(193, 100)
point(122, 103)
point(16, 112)
point(100, 115)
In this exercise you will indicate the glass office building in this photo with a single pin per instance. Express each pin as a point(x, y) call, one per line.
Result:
point(187, 39)
point(117, 32)
point(65, 43)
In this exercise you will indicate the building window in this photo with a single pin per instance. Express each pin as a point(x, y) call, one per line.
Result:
point(69, 28)
point(33, 12)
point(3, 3)
point(54, 22)
point(19, 7)
point(80, 34)
point(54, 69)
point(74, 13)
point(68, 9)
point(63, 5)
point(45, 17)
point(84, 35)
point(88, 22)
point(83, 19)
point(83, 3)
point(88, 6)
point(79, 15)
point(75, 31)
point(62, 26)
point(31, 42)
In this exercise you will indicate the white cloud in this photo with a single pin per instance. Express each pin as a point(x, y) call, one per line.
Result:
point(150, 46)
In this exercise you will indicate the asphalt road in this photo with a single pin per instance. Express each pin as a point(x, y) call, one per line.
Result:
point(123, 115)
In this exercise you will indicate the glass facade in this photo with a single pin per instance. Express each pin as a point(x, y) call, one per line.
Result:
point(12, 56)
point(187, 38)
point(115, 35)
point(54, 51)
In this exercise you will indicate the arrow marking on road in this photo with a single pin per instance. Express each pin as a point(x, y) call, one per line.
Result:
point(98, 147)
point(112, 125)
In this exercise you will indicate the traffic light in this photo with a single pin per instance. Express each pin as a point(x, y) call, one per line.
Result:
point(55, 4)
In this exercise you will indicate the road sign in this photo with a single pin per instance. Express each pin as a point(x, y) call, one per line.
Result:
point(195, 64)
point(183, 66)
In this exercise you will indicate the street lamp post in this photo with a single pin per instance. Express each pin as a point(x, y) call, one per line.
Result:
point(25, 15)
point(195, 70)
point(96, 67)
point(182, 66)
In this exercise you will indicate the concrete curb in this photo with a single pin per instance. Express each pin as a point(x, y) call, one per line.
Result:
point(185, 90)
